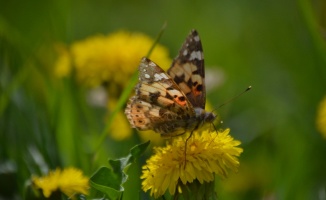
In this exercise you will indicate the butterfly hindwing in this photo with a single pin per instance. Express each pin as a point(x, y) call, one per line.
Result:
point(187, 70)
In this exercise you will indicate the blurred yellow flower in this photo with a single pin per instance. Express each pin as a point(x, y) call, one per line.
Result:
point(207, 154)
point(63, 63)
point(120, 129)
point(321, 117)
point(109, 59)
point(69, 181)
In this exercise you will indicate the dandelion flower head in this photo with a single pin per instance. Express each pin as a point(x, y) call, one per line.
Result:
point(207, 154)
point(69, 181)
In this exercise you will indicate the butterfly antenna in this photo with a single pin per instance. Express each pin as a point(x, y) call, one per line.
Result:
point(214, 127)
point(232, 99)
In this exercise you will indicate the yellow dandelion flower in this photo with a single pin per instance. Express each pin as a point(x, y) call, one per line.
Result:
point(321, 117)
point(112, 58)
point(207, 154)
point(69, 181)
point(62, 65)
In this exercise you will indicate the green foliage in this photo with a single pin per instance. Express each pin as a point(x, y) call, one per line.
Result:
point(110, 180)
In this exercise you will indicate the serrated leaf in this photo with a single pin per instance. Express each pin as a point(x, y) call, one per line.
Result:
point(105, 181)
point(110, 181)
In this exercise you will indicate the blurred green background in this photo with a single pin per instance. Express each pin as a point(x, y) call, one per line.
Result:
point(277, 47)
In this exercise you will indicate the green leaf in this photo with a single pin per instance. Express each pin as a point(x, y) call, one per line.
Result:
point(110, 180)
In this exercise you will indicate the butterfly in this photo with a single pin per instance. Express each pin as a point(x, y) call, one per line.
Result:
point(171, 103)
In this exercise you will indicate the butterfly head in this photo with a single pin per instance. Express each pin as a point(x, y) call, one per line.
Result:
point(204, 116)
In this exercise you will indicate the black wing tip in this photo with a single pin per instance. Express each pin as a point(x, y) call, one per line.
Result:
point(145, 59)
point(194, 35)
point(194, 32)
point(148, 61)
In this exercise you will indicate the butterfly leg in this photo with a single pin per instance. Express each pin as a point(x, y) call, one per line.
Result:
point(186, 143)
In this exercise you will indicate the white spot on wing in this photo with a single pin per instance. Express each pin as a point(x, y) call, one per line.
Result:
point(196, 38)
point(158, 77)
point(196, 55)
point(147, 76)
point(185, 52)
point(175, 93)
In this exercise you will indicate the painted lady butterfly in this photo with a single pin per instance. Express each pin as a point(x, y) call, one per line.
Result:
point(173, 102)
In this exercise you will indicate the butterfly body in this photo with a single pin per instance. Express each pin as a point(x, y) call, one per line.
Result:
point(173, 102)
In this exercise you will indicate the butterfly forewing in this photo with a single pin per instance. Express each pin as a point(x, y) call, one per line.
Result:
point(187, 70)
